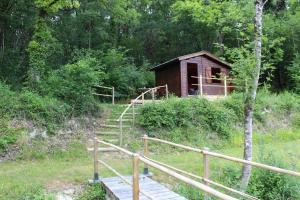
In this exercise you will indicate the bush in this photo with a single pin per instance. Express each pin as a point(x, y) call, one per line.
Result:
point(45, 111)
point(92, 192)
point(216, 116)
point(176, 112)
point(8, 136)
point(268, 185)
point(189, 192)
point(73, 84)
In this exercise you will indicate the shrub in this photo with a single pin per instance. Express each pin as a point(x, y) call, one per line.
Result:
point(8, 136)
point(92, 192)
point(186, 113)
point(46, 111)
point(7, 100)
point(268, 185)
point(73, 84)
point(189, 192)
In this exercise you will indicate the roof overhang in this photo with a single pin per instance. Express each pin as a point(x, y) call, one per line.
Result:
point(188, 56)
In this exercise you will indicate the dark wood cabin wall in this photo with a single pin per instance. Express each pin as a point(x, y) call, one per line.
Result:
point(209, 90)
point(169, 75)
point(184, 73)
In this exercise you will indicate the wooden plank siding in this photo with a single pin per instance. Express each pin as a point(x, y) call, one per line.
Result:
point(169, 75)
point(175, 73)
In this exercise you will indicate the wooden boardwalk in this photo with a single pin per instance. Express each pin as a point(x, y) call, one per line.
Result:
point(118, 190)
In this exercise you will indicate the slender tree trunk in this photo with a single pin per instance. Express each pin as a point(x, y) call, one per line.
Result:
point(251, 95)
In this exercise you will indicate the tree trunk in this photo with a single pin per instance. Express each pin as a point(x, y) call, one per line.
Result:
point(251, 95)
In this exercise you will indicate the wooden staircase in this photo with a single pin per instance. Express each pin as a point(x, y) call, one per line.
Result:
point(122, 118)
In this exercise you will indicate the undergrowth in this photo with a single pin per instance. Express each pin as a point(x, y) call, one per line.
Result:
point(193, 118)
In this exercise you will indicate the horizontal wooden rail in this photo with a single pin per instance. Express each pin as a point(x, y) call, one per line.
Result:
point(211, 85)
point(171, 173)
point(230, 158)
point(204, 179)
point(124, 179)
point(204, 77)
point(100, 86)
point(188, 181)
point(115, 147)
point(106, 95)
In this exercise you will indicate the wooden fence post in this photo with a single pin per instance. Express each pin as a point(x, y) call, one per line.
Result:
point(143, 98)
point(133, 113)
point(205, 169)
point(225, 86)
point(152, 94)
point(146, 170)
point(113, 95)
point(167, 91)
point(135, 177)
point(96, 163)
point(121, 130)
point(200, 84)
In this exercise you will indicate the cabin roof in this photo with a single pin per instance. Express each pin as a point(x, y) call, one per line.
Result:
point(192, 55)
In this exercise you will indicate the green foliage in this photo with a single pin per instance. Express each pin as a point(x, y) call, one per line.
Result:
point(268, 185)
point(44, 52)
point(92, 192)
point(73, 84)
point(294, 71)
point(53, 6)
point(187, 112)
point(8, 135)
point(189, 192)
point(35, 192)
point(123, 75)
point(44, 111)
point(194, 115)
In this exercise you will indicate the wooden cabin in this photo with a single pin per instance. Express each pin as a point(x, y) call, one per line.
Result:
point(199, 73)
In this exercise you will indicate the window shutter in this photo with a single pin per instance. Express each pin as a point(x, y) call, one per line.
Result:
point(208, 74)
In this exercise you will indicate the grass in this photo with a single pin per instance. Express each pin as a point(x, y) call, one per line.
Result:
point(19, 177)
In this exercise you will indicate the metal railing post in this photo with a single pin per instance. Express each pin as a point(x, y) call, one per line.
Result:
point(205, 169)
point(96, 163)
point(135, 177)
point(145, 138)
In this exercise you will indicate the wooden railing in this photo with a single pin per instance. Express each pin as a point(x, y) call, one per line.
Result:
point(206, 154)
point(139, 99)
point(112, 96)
point(136, 159)
point(225, 85)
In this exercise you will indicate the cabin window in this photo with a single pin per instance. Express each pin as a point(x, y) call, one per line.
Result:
point(216, 75)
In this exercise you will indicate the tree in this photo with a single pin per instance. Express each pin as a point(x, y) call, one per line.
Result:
point(251, 93)
point(44, 49)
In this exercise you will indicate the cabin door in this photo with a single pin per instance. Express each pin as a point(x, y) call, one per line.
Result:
point(192, 73)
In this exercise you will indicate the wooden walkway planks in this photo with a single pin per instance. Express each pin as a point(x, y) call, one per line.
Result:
point(118, 190)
